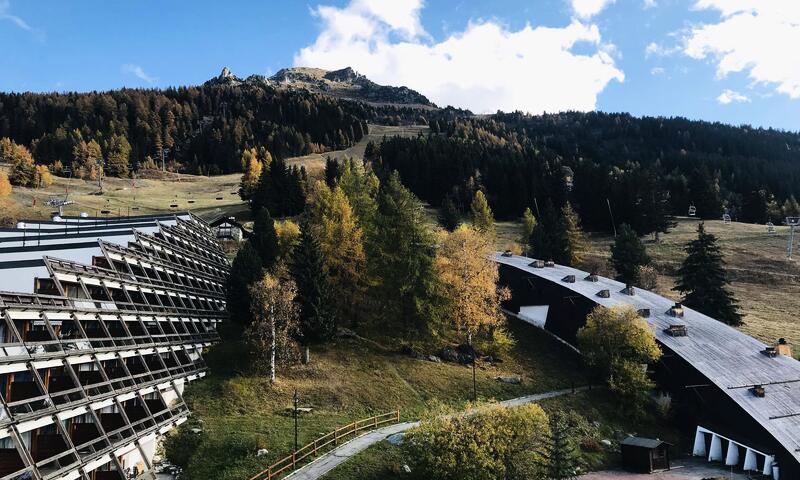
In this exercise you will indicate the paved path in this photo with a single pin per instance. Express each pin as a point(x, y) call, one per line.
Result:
point(327, 462)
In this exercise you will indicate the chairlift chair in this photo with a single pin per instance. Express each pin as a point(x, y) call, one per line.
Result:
point(692, 210)
point(726, 218)
point(770, 227)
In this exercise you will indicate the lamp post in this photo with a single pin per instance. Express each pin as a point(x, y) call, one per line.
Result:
point(474, 381)
point(295, 399)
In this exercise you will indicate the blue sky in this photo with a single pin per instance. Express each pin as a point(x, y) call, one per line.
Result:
point(734, 61)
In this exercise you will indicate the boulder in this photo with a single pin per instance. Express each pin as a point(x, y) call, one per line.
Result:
point(512, 380)
point(261, 452)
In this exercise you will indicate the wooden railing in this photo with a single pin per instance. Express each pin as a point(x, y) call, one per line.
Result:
point(291, 462)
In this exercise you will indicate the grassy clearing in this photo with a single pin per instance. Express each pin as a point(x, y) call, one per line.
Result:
point(347, 380)
point(766, 283)
point(315, 163)
point(594, 416)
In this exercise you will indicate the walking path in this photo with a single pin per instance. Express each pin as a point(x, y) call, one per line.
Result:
point(327, 462)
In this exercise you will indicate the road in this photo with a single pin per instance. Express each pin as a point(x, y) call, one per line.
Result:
point(327, 462)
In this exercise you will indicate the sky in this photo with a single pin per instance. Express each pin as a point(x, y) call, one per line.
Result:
point(733, 61)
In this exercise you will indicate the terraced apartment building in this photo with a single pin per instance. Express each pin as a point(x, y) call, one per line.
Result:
point(104, 322)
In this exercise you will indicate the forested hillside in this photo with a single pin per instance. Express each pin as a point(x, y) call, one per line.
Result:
point(645, 168)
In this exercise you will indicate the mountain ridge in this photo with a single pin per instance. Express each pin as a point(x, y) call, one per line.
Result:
point(344, 83)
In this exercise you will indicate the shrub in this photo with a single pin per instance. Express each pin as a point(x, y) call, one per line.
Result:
point(648, 277)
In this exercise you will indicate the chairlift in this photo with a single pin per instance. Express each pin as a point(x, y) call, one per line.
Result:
point(105, 212)
point(726, 218)
point(770, 227)
point(692, 210)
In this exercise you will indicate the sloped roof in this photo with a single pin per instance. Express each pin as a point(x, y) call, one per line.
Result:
point(730, 359)
point(643, 442)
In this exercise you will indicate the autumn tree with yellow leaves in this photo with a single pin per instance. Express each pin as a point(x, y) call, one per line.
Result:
point(341, 242)
point(465, 267)
point(252, 165)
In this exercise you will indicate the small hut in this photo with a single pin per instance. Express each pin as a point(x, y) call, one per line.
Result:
point(645, 455)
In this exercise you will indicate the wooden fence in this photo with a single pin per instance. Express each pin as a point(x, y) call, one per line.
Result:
point(291, 462)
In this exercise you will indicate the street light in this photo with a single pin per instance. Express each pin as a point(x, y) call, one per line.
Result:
point(296, 399)
point(474, 381)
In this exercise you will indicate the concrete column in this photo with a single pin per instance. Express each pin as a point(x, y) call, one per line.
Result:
point(768, 465)
point(716, 449)
point(699, 444)
point(750, 461)
point(732, 458)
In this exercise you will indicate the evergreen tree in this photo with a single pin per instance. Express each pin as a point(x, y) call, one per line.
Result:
point(628, 254)
point(653, 205)
point(265, 239)
point(406, 283)
point(481, 215)
point(449, 214)
point(548, 238)
point(703, 282)
point(332, 171)
point(314, 296)
point(563, 459)
point(573, 238)
point(705, 193)
point(245, 270)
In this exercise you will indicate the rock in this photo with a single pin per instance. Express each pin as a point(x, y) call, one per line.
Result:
point(462, 354)
point(406, 469)
point(261, 452)
point(396, 439)
point(434, 359)
point(226, 73)
point(511, 380)
point(606, 442)
point(196, 430)
point(596, 424)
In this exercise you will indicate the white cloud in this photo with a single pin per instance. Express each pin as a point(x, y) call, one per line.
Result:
point(650, 4)
point(657, 71)
point(589, 8)
point(5, 14)
point(484, 68)
point(654, 49)
point(756, 37)
point(138, 72)
point(729, 96)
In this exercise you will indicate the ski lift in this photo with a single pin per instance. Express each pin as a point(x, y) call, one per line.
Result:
point(770, 227)
point(692, 210)
point(726, 218)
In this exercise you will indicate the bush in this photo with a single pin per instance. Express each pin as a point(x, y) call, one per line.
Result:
point(492, 443)
point(591, 445)
point(648, 277)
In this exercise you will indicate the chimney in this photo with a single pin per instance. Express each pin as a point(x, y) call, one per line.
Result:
point(536, 264)
point(677, 331)
point(592, 277)
point(676, 311)
point(629, 290)
point(758, 391)
point(644, 312)
point(549, 263)
point(783, 348)
point(507, 253)
point(569, 279)
point(604, 293)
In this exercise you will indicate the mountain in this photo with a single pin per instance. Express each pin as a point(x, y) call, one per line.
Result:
point(345, 83)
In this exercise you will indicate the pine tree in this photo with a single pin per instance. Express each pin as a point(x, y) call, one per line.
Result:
point(314, 296)
point(449, 214)
point(402, 263)
point(481, 215)
point(332, 171)
point(265, 239)
point(245, 270)
point(628, 254)
point(574, 238)
point(563, 459)
point(703, 282)
point(547, 240)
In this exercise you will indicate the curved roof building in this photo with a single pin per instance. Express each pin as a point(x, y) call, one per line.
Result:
point(745, 394)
